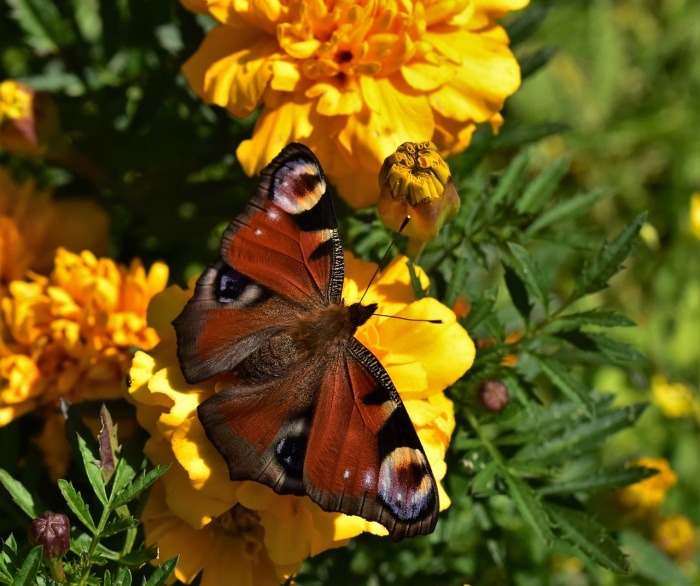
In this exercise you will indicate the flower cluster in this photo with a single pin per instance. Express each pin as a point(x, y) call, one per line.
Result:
point(70, 335)
point(32, 226)
point(242, 529)
point(354, 80)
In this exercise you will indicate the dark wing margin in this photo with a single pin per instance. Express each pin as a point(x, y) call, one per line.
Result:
point(287, 238)
point(364, 456)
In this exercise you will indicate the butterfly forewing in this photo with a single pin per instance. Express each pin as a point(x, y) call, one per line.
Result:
point(312, 410)
point(287, 237)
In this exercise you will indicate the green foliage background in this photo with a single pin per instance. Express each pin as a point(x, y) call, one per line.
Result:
point(603, 130)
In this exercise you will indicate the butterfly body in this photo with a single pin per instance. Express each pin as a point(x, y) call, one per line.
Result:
point(311, 410)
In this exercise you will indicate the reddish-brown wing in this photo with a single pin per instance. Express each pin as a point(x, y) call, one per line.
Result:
point(287, 238)
point(282, 254)
point(364, 456)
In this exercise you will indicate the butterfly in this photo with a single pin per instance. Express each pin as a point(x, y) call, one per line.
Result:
point(310, 411)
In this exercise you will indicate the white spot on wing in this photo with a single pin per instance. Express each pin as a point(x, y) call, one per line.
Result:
point(287, 193)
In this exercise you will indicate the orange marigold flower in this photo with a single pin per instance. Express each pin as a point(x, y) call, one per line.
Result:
point(216, 524)
point(676, 536)
point(32, 226)
point(69, 335)
point(646, 496)
point(353, 80)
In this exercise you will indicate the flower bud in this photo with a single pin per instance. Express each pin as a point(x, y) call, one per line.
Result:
point(416, 181)
point(52, 530)
point(493, 395)
point(28, 119)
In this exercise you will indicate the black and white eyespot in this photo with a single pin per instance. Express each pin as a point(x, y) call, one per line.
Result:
point(298, 186)
point(229, 287)
point(405, 485)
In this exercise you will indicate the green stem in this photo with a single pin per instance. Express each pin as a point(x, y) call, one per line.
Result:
point(93, 545)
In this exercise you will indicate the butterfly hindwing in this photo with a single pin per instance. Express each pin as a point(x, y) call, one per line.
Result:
point(364, 456)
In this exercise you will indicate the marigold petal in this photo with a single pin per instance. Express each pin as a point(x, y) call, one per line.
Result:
point(483, 82)
point(427, 77)
point(275, 128)
point(231, 68)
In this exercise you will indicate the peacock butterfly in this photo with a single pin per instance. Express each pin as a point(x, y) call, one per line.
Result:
point(312, 411)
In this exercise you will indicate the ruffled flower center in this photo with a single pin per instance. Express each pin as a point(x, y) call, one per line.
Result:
point(343, 39)
point(244, 524)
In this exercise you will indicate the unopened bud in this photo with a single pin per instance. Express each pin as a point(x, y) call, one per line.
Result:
point(28, 119)
point(416, 181)
point(493, 395)
point(52, 530)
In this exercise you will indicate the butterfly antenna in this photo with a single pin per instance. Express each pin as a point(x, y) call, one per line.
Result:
point(386, 252)
point(429, 321)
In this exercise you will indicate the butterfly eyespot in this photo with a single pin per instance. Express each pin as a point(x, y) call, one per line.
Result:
point(404, 486)
point(291, 449)
point(234, 288)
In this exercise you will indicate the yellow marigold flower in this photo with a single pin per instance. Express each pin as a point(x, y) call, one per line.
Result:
point(353, 80)
point(28, 119)
point(69, 336)
point(416, 181)
point(672, 399)
point(647, 495)
point(217, 525)
point(32, 227)
point(676, 536)
point(695, 215)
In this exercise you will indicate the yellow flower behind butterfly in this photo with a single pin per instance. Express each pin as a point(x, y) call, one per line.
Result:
point(353, 80)
point(70, 335)
point(243, 533)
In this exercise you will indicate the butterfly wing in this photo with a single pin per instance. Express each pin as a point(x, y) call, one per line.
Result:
point(364, 456)
point(281, 255)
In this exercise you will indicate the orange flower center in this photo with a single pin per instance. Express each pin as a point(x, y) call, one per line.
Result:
point(343, 39)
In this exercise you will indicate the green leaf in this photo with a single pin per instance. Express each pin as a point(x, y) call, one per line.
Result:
point(595, 317)
point(20, 495)
point(565, 210)
point(76, 504)
point(92, 470)
point(556, 372)
point(26, 576)
point(530, 273)
point(481, 308)
point(161, 574)
point(132, 490)
point(139, 557)
point(590, 537)
point(530, 507)
point(512, 180)
point(535, 61)
point(610, 258)
point(606, 480)
point(542, 187)
point(123, 474)
point(122, 577)
point(418, 290)
point(651, 563)
point(456, 284)
point(119, 525)
point(45, 27)
point(483, 482)
point(518, 292)
point(615, 350)
point(527, 23)
point(584, 437)
point(511, 137)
